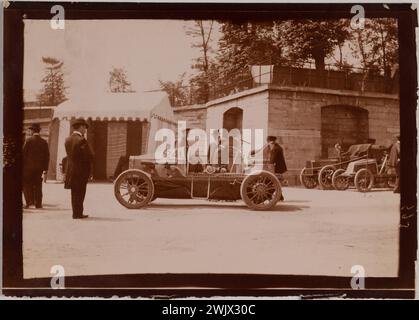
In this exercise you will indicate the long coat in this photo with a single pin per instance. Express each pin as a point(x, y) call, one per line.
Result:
point(394, 154)
point(35, 155)
point(276, 157)
point(79, 161)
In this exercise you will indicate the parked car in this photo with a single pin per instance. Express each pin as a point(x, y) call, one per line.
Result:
point(320, 172)
point(146, 180)
point(364, 174)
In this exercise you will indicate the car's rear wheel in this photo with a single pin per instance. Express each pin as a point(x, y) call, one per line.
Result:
point(307, 179)
point(364, 180)
point(261, 191)
point(340, 182)
point(325, 177)
point(134, 189)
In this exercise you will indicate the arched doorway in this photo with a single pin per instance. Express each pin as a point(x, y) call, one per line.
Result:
point(232, 119)
point(345, 124)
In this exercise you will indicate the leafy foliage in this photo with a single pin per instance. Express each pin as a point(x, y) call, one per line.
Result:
point(313, 39)
point(376, 46)
point(289, 43)
point(177, 91)
point(201, 32)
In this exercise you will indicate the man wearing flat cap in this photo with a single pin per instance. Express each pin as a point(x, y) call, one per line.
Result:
point(78, 166)
point(35, 165)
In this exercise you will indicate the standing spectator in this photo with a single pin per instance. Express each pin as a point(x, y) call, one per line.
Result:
point(35, 166)
point(79, 166)
point(276, 155)
point(394, 162)
point(273, 157)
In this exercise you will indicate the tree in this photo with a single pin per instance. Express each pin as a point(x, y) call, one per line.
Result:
point(53, 92)
point(307, 39)
point(201, 31)
point(376, 46)
point(177, 91)
point(245, 43)
point(118, 81)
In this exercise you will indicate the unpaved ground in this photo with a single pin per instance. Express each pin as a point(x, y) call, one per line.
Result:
point(313, 232)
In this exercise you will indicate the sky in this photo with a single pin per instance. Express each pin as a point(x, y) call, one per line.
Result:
point(148, 50)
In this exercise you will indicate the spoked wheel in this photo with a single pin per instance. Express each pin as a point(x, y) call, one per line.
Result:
point(340, 182)
point(134, 189)
point(391, 182)
point(325, 177)
point(364, 180)
point(307, 179)
point(261, 191)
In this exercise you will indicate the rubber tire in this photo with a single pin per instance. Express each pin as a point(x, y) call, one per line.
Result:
point(304, 183)
point(249, 178)
point(322, 171)
point(357, 181)
point(335, 181)
point(122, 177)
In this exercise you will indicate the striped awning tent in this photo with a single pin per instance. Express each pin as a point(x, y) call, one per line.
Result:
point(117, 106)
point(152, 107)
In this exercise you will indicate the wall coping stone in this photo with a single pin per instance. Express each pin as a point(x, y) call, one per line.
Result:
point(262, 88)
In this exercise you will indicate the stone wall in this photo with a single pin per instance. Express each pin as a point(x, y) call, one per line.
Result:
point(295, 117)
point(254, 104)
point(296, 120)
point(195, 116)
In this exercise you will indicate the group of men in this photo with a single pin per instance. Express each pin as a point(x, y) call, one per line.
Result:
point(77, 170)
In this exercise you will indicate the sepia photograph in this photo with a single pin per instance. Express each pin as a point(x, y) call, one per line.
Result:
point(214, 145)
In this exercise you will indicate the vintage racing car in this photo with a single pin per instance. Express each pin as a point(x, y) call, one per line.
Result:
point(146, 180)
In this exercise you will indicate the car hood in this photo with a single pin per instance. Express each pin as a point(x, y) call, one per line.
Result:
point(149, 157)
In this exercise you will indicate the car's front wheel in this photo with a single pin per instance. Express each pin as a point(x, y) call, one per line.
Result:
point(364, 180)
point(339, 181)
point(134, 189)
point(325, 177)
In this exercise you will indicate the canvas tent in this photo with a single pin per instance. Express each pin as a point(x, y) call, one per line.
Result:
point(119, 124)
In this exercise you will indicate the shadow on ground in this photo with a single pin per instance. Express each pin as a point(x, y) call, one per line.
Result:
point(281, 207)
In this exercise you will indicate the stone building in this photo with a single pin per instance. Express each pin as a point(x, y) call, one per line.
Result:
point(308, 117)
point(308, 121)
point(194, 115)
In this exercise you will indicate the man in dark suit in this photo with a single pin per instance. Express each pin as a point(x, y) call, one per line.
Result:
point(273, 157)
point(35, 165)
point(276, 155)
point(78, 168)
